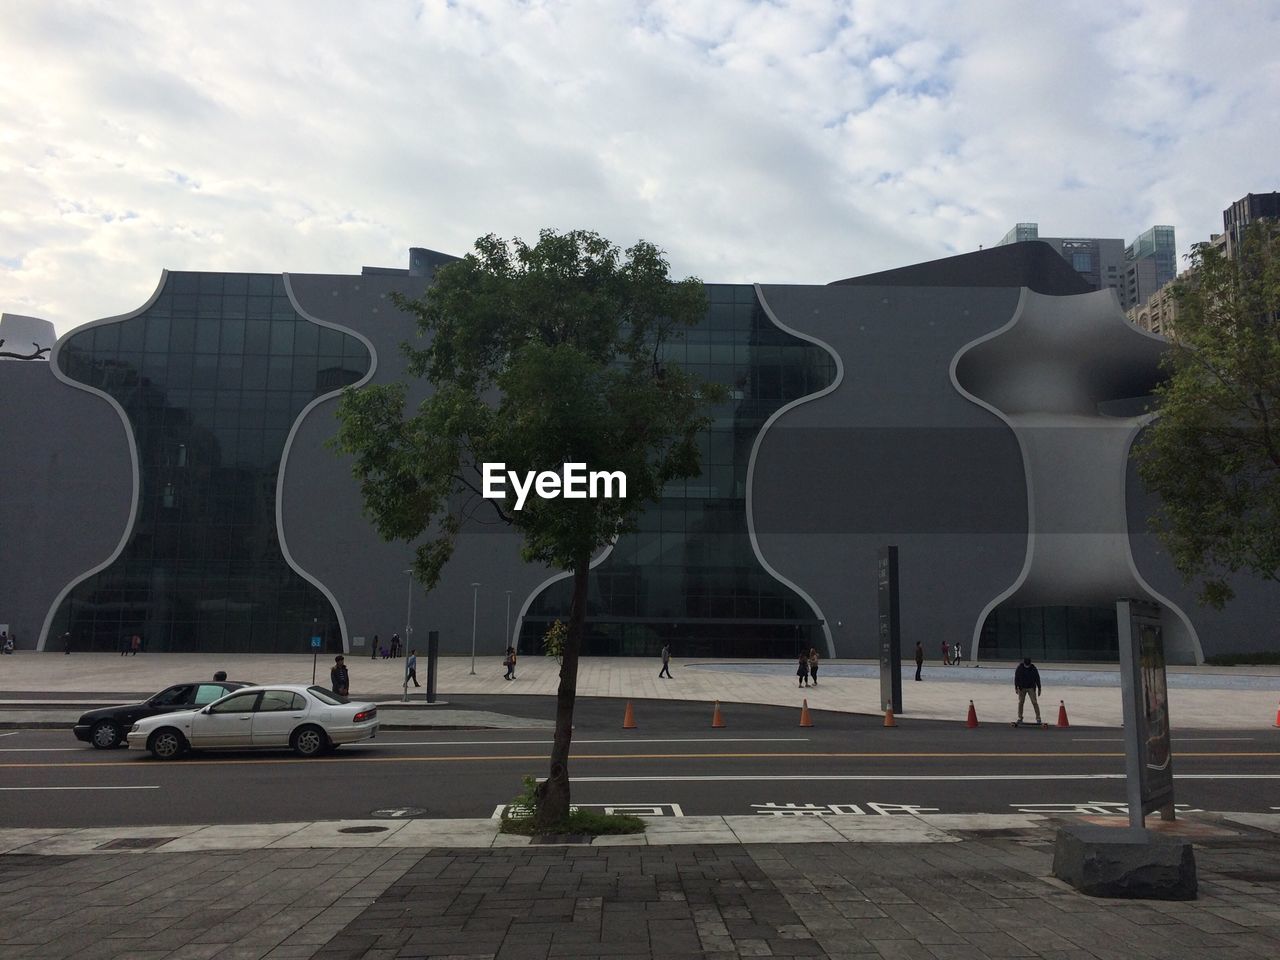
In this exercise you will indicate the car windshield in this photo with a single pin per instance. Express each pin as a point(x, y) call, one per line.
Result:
point(325, 695)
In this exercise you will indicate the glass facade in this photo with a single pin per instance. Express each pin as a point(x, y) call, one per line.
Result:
point(1050, 633)
point(212, 376)
point(689, 575)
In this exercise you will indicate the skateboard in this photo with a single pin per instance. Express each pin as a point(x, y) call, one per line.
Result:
point(1029, 723)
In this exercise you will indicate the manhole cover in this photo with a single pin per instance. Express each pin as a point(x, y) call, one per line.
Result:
point(393, 812)
point(362, 829)
point(134, 843)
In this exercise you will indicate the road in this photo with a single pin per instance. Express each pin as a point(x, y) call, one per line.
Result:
point(674, 763)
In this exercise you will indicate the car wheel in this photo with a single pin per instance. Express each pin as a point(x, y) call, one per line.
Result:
point(105, 735)
point(166, 744)
point(309, 741)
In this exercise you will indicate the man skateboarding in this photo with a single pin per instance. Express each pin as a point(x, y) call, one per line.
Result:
point(1026, 681)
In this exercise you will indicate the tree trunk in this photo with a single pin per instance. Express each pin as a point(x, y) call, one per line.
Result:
point(553, 793)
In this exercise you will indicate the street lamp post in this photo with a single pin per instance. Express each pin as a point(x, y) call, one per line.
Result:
point(475, 599)
point(509, 643)
point(408, 631)
point(408, 612)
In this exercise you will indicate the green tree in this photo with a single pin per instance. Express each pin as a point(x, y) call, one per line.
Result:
point(538, 356)
point(1213, 454)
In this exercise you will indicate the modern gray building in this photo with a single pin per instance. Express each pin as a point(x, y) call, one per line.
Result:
point(168, 476)
point(1099, 261)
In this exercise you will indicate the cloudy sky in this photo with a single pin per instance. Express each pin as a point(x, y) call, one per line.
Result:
point(775, 141)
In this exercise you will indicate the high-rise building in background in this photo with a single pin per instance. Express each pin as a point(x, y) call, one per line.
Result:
point(1099, 261)
point(1150, 262)
point(1237, 217)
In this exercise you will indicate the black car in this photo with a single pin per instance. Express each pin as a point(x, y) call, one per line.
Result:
point(105, 728)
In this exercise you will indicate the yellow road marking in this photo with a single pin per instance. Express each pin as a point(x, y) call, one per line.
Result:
point(620, 756)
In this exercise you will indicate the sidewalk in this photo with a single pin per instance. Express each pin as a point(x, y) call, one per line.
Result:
point(956, 895)
point(636, 679)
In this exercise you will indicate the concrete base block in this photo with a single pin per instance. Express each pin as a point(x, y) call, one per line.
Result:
point(1123, 862)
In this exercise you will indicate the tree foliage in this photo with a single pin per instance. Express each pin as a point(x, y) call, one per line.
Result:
point(1213, 454)
point(538, 355)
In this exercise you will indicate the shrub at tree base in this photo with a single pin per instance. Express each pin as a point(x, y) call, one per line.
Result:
point(518, 818)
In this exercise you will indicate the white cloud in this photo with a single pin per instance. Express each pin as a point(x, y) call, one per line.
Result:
point(802, 141)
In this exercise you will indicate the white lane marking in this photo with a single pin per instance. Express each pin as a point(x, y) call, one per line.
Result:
point(13, 734)
point(153, 786)
point(1179, 740)
point(40, 749)
point(914, 778)
point(542, 743)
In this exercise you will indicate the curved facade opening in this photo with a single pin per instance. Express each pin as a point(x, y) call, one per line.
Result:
point(688, 575)
point(212, 376)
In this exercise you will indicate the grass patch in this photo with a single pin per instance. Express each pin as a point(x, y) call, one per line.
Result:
point(1265, 658)
point(518, 818)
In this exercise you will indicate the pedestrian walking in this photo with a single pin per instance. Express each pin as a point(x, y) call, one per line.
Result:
point(411, 669)
point(373, 648)
point(946, 654)
point(135, 644)
point(666, 663)
point(339, 679)
point(1026, 681)
point(919, 660)
point(802, 670)
point(509, 661)
point(66, 643)
point(813, 665)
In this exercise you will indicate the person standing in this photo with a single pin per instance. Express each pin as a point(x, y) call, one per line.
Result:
point(813, 665)
point(135, 644)
point(395, 644)
point(411, 669)
point(946, 654)
point(373, 648)
point(66, 643)
point(339, 679)
point(802, 670)
point(510, 663)
point(1026, 681)
point(959, 654)
point(919, 660)
point(666, 662)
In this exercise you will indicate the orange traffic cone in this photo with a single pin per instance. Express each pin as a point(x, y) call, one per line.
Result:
point(805, 720)
point(716, 719)
point(888, 717)
point(629, 718)
point(1062, 714)
point(972, 720)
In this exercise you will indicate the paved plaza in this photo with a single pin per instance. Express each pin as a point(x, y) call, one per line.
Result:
point(974, 897)
point(902, 887)
point(1223, 698)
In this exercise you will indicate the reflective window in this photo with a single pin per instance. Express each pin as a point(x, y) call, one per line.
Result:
point(240, 703)
point(689, 576)
point(211, 376)
point(280, 700)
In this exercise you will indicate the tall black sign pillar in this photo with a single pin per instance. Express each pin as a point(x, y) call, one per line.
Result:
point(433, 654)
point(890, 638)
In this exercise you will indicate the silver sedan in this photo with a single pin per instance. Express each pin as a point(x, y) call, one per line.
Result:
point(309, 719)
